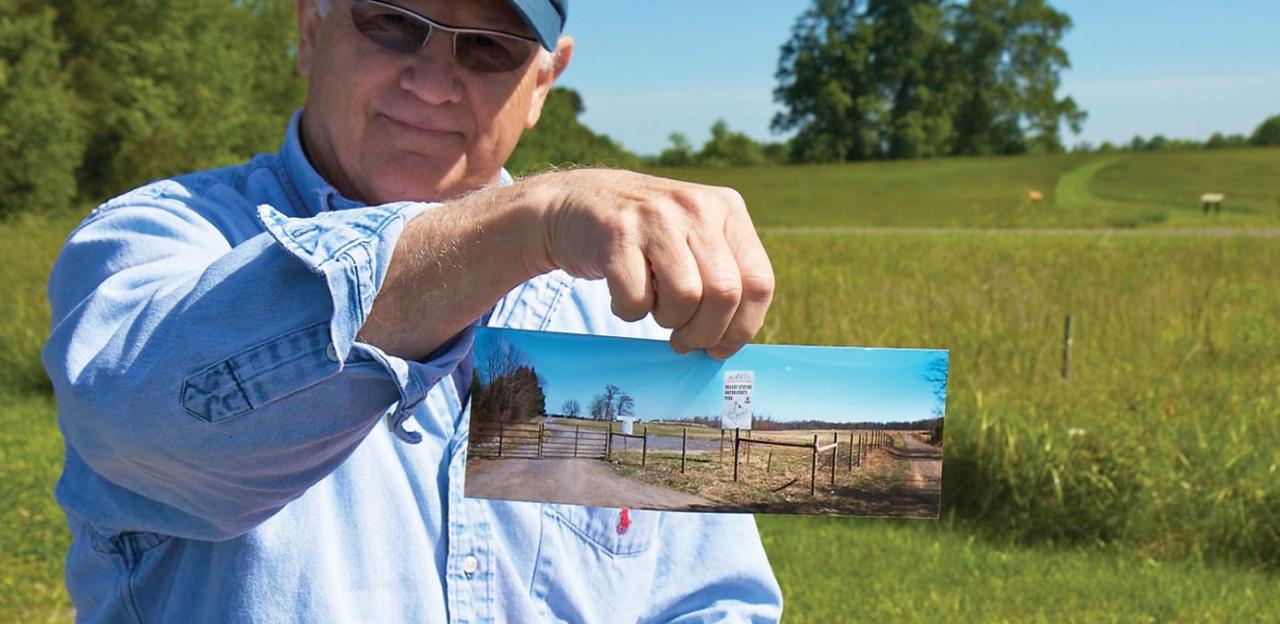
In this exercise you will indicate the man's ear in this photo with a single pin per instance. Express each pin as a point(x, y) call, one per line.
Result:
point(547, 79)
point(308, 23)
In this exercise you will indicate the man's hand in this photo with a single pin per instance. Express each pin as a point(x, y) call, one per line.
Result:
point(688, 253)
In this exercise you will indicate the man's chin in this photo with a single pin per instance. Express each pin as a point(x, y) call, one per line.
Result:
point(423, 185)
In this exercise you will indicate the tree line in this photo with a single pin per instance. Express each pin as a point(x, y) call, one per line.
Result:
point(99, 96)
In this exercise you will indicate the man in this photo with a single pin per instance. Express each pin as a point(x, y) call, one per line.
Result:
point(225, 343)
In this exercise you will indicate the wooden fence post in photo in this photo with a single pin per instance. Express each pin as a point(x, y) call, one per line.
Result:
point(644, 448)
point(835, 455)
point(813, 472)
point(540, 440)
point(850, 451)
point(722, 447)
point(735, 454)
point(684, 445)
point(608, 441)
point(769, 462)
point(501, 427)
point(575, 440)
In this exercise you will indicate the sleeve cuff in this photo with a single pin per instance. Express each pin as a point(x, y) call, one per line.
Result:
point(351, 250)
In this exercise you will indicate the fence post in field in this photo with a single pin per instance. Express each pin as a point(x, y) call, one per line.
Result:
point(1066, 348)
point(722, 448)
point(850, 451)
point(540, 425)
point(768, 465)
point(575, 440)
point(644, 448)
point(813, 472)
point(684, 445)
point(501, 427)
point(835, 455)
point(735, 454)
point(608, 441)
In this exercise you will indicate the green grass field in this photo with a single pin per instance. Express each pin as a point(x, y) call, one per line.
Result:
point(1144, 488)
point(1089, 190)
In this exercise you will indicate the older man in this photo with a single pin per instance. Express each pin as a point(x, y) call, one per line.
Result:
point(225, 343)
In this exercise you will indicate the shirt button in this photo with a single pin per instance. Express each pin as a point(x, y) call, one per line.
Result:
point(470, 565)
point(332, 352)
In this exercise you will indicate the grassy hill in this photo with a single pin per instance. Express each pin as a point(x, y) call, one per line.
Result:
point(1079, 190)
point(1144, 488)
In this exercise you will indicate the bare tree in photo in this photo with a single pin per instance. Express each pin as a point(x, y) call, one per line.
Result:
point(571, 408)
point(937, 373)
point(626, 406)
point(605, 406)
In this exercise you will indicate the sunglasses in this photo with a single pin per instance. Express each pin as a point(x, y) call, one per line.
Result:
point(401, 30)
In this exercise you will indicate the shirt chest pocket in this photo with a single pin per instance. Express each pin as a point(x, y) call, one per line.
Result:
point(613, 532)
point(596, 564)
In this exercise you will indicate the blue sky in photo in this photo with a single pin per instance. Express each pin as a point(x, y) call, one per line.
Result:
point(1179, 68)
point(834, 384)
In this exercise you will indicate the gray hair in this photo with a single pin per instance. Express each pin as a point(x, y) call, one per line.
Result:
point(546, 58)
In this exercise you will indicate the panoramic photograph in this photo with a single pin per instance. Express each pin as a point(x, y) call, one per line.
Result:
point(623, 422)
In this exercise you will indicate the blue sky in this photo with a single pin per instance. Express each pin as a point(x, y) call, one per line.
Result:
point(834, 384)
point(1178, 68)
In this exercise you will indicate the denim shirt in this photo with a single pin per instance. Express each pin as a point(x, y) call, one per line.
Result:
point(234, 454)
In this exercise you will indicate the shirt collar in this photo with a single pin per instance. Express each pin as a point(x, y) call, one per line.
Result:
point(312, 190)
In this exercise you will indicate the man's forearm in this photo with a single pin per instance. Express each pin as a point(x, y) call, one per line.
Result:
point(451, 264)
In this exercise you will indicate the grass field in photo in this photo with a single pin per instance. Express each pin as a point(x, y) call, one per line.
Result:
point(1146, 486)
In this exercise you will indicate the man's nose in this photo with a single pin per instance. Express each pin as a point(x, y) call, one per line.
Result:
point(432, 73)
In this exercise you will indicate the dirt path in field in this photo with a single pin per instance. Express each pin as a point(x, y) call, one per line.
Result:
point(1206, 232)
point(924, 465)
point(574, 481)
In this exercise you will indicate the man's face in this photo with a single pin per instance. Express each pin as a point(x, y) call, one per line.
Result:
point(385, 126)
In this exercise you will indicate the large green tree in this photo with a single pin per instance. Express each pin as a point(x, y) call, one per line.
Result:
point(41, 133)
point(826, 86)
point(1267, 133)
point(171, 87)
point(1009, 58)
point(919, 78)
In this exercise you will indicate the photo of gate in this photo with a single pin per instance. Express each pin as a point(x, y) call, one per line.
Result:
point(629, 423)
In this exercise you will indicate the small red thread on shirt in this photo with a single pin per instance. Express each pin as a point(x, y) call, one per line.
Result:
point(624, 520)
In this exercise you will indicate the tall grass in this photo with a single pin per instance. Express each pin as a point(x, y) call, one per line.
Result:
point(1165, 439)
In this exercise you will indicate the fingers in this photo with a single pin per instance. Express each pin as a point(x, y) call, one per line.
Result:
point(757, 283)
point(721, 293)
point(630, 284)
point(677, 283)
point(685, 252)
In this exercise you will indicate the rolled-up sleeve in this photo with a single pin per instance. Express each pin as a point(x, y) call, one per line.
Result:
point(223, 380)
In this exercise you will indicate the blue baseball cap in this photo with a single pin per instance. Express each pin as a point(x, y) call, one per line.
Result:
point(545, 17)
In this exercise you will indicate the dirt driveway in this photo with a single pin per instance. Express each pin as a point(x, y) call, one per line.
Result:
point(574, 481)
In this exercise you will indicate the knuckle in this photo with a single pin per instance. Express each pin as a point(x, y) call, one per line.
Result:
point(723, 293)
point(733, 197)
point(758, 286)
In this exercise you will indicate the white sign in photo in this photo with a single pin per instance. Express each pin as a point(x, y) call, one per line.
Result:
point(737, 399)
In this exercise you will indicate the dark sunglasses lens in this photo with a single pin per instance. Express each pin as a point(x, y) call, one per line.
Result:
point(388, 28)
point(489, 54)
